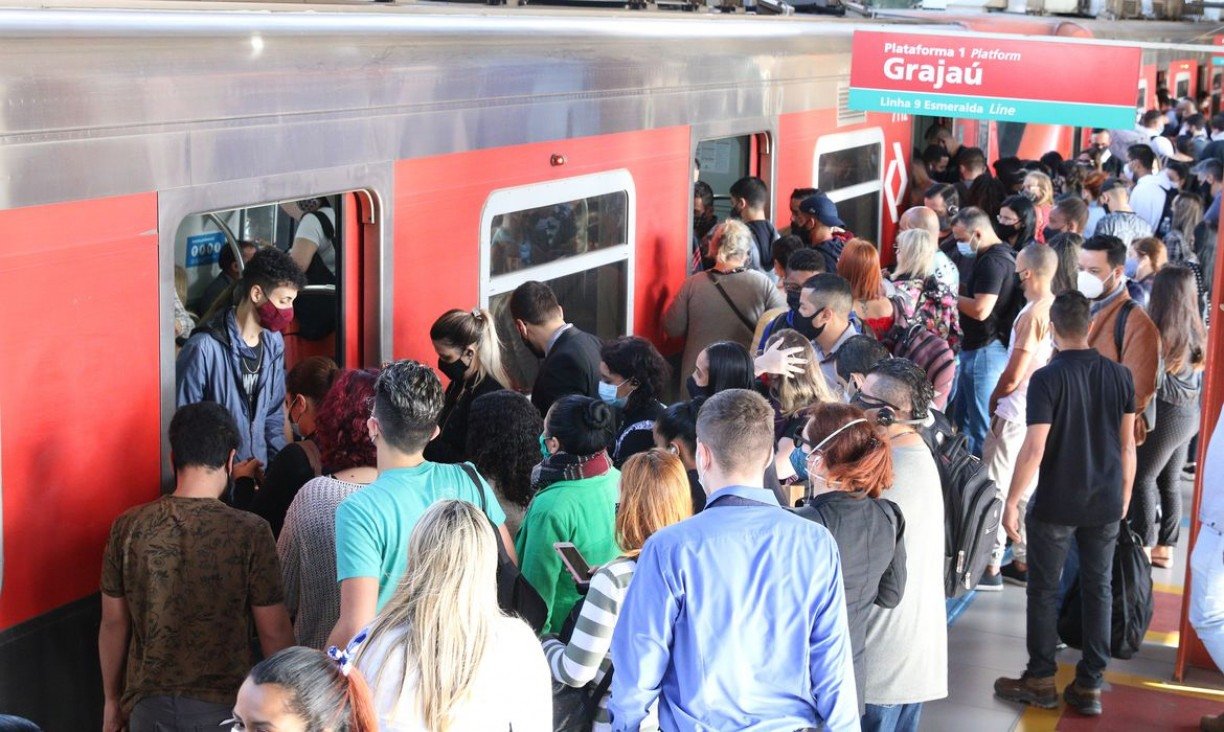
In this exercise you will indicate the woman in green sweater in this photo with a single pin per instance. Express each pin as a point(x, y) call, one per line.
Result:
point(576, 491)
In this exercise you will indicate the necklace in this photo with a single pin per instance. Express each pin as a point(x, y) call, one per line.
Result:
point(258, 364)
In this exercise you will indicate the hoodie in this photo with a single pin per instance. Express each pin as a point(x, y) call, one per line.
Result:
point(209, 369)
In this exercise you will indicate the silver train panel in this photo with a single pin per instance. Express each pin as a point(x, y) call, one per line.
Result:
point(135, 101)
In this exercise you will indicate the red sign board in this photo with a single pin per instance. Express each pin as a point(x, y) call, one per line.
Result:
point(1013, 79)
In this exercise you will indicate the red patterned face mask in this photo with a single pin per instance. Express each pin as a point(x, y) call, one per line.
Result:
point(274, 318)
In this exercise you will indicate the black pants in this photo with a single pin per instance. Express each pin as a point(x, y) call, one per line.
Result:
point(1047, 550)
point(1159, 462)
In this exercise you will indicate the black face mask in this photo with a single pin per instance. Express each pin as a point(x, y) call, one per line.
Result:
point(1049, 233)
point(792, 299)
point(453, 370)
point(695, 390)
point(1006, 232)
point(814, 329)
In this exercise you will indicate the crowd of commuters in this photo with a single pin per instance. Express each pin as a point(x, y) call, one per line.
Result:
point(367, 525)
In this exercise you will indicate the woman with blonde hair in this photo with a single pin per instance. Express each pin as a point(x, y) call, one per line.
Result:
point(791, 394)
point(1040, 189)
point(441, 656)
point(935, 303)
point(654, 495)
point(469, 356)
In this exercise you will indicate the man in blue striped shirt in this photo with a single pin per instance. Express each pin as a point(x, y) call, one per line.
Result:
point(736, 618)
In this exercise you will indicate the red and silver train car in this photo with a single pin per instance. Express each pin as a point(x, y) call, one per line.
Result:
point(138, 141)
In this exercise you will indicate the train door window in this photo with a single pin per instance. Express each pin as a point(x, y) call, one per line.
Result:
point(1181, 84)
point(847, 168)
point(576, 235)
point(722, 161)
point(1141, 100)
point(1217, 85)
point(212, 248)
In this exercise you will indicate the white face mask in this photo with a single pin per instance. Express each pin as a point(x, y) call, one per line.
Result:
point(1089, 285)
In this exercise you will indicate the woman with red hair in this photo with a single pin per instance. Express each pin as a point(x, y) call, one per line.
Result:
point(849, 464)
point(307, 543)
point(875, 302)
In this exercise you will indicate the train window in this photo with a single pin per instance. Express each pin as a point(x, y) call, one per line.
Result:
point(848, 169)
point(722, 162)
point(211, 248)
point(574, 235)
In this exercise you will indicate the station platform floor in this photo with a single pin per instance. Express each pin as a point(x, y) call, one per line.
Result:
point(986, 640)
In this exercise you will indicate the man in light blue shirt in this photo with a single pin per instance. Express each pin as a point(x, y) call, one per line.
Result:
point(373, 524)
point(736, 618)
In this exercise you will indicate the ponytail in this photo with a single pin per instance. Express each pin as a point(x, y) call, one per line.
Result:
point(360, 702)
point(474, 328)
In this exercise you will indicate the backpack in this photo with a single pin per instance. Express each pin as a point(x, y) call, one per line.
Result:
point(972, 511)
point(316, 306)
point(1132, 600)
point(515, 594)
point(912, 340)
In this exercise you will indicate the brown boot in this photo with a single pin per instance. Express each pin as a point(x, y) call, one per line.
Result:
point(1212, 724)
point(1084, 701)
point(1040, 692)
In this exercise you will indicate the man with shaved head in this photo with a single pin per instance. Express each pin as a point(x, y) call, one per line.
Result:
point(946, 269)
point(1030, 347)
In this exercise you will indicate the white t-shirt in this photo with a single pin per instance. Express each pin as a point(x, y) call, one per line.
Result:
point(309, 228)
point(1035, 338)
point(512, 688)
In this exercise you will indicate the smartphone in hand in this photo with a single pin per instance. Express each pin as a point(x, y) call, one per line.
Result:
point(575, 563)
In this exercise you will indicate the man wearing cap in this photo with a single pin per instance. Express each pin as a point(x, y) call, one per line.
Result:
point(1120, 219)
point(825, 230)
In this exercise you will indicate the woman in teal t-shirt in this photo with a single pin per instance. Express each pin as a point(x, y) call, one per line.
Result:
point(576, 491)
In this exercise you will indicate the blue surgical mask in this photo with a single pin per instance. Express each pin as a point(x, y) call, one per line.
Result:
point(1132, 267)
point(544, 448)
point(607, 392)
point(965, 249)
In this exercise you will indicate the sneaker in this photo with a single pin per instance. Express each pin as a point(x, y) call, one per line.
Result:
point(1212, 724)
point(1014, 576)
point(990, 582)
point(1085, 701)
point(1039, 692)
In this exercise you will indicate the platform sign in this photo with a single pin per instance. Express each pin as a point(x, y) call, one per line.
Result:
point(204, 249)
point(1003, 79)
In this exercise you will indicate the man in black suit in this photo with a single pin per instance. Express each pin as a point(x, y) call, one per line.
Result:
point(570, 357)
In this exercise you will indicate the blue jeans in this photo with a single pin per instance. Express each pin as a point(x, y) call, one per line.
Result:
point(892, 717)
point(979, 373)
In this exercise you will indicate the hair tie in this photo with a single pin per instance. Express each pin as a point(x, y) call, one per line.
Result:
point(344, 659)
point(477, 314)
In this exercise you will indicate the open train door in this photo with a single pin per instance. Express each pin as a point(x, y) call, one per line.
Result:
point(344, 315)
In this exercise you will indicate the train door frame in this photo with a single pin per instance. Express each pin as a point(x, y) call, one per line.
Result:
point(764, 133)
point(838, 141)
point(374, 189)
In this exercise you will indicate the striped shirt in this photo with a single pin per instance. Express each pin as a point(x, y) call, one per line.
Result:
point(307, 549)
point(585, 659)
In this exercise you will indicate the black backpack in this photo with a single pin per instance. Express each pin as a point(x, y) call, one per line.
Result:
point(972, 510)
point(515, 594)
point(1132, 600)
point(1166, 214)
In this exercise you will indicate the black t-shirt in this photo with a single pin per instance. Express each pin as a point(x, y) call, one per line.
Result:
point(994, 273)
point(765, 234)
point(1082, 396)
